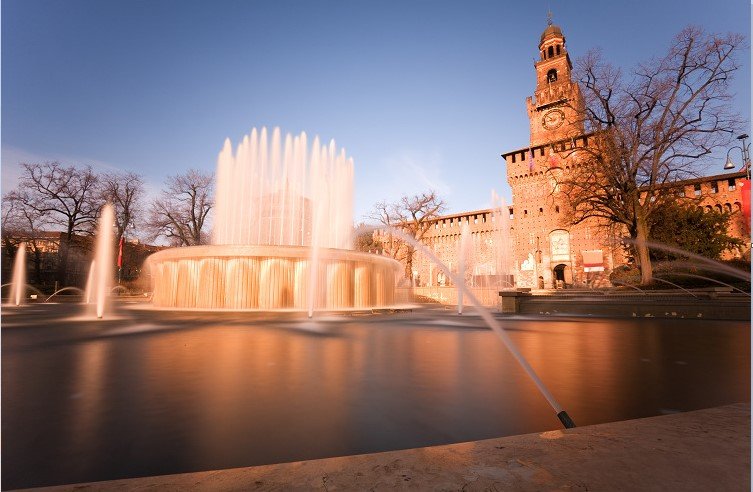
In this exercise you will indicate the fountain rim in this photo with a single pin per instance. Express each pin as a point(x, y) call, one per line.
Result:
point(265, 251)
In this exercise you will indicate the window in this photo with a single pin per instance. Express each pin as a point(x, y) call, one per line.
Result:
point(513, 158)
point(697, 189)
point(731, 184)
point(558, 49)
point(512, 216)
point(525, 213)
point(550, 51)
point(551, 75)
point(557, 208)
point(714, 187)
point(541, 211)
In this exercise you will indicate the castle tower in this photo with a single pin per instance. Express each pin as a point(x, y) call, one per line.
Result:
point(547, 249)
point(554, 109)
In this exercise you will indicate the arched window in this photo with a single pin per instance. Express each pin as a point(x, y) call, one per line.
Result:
point(550, 51)
point(728, 207)
point(551, 75)
point(558, 49)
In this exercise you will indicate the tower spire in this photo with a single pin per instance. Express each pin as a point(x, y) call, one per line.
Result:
point(548, 17)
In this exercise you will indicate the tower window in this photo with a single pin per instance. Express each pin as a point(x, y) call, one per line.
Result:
point(550, 51)
point(551, 75)
point(558, 49)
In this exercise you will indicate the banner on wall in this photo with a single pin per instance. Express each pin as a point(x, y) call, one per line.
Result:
point(745, 190)
point(593, 260)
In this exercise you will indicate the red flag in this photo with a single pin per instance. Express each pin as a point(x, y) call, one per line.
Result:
point(553, 160)
point(120, 253)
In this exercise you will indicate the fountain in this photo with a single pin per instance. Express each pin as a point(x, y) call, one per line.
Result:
point(100, 277)
point(89, 292)
point(18, 288)
point(501, 241)
point(282, 236)
point(463, 253)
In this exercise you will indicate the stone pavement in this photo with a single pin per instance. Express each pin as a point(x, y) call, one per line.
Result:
point(702, 450)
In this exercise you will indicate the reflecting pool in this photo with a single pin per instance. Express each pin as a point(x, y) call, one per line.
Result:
point(155, 392)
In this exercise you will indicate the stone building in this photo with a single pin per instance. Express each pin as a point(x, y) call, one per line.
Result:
point(540, 249)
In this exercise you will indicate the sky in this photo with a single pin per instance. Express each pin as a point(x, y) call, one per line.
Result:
point(422, 94)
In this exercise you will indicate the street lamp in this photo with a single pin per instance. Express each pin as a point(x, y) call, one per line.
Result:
point(745, 149)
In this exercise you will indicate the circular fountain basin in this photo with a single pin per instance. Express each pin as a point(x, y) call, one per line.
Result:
point(270, 278)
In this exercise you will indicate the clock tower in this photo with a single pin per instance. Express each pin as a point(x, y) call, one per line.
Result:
point(555, 108)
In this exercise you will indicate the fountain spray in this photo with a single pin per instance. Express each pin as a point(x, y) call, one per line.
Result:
point(88, 293)
point(562, 415)
point(19, 276)
point(462, 257)
point(104, 257)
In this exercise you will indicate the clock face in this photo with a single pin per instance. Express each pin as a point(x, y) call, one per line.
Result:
point(553, 119)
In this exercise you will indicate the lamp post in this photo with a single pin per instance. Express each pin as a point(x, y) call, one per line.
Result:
point(745, 149)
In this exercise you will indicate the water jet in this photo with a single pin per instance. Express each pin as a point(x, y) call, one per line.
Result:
point(18, 288)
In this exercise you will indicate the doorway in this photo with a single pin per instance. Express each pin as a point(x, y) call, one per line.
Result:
point(559, 276)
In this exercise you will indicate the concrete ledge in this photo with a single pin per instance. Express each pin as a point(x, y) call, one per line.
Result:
point(737, 308)
point(700, 450)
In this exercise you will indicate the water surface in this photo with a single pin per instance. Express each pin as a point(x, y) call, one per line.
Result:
point(156, 393)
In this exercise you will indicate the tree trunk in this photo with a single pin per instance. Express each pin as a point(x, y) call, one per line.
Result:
point(644, 261)
point(409, 263)
point(37, 267)
point(63, 254)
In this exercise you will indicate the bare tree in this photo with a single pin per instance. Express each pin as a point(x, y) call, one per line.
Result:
point(125, 191)
point(180, 214)
point(21, 223)
point(650, 131)
point(67, 196)
point(411, 214)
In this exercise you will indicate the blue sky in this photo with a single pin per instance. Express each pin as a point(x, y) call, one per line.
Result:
point(420, 93)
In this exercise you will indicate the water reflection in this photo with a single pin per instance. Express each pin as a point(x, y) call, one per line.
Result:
point(169, 393)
